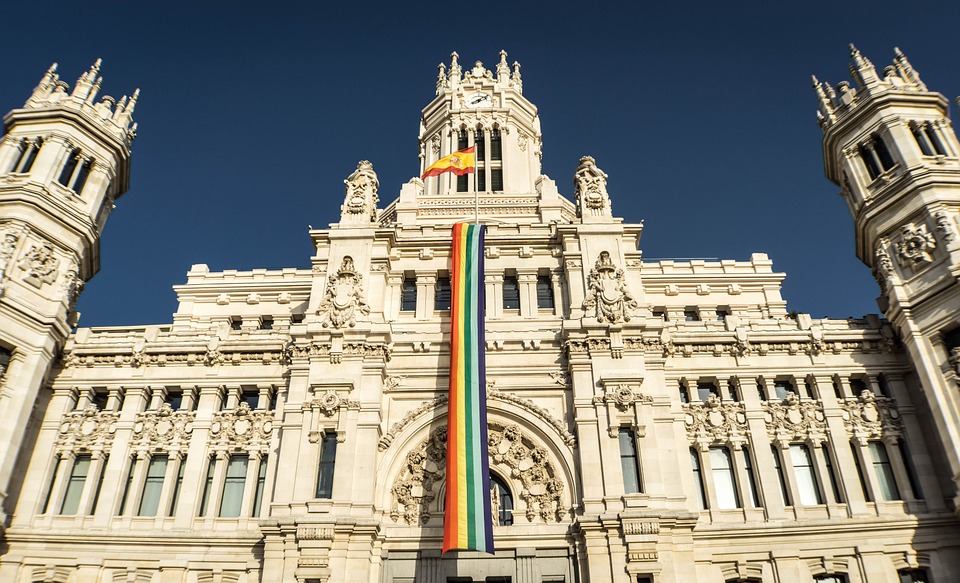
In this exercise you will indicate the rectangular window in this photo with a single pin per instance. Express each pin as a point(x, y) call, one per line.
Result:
point(236, 323)
point(441, 299)
point(71, 164)
point(831, 474)
point(496, 148)
point(5, 356)
point(778, 465)
point(858, 386)
point(684, 393)
point(883, 153)
point(261, 482)
point(884, 471)
point(207, 487)
point(724, 481)
point(863, 481)
point(233, 486)
point(704, 390)
point(266, 323)
point(806, 475)
point(127, 486)
point(496, 179)
point(732, 390)
point(99, 400)
point(914, 576)
point(78, 476)
point(328, 460)
point(782, 389)
point(931, 133)
point(175, 399)
point(722, 314)
point(628, 461)
point(921, 139)
point(691, 315)
point(698, 478)
point(96, 494)
point(153, 485)
point(511, 293)
point(56, 470)
point(175, 499)
point(251, 397)
point(761, 390)
point(463, 183)
point(544, 292)
point(408, 295)
point(659, 313)
point(751, 478)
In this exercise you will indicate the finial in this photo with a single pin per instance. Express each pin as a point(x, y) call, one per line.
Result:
point(94, 70)
point(863, 72)
point(503, 69)
point(52, 69)
point(897, 53)
point(453, 59)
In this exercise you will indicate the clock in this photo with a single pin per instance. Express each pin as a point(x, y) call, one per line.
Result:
point(479, 100)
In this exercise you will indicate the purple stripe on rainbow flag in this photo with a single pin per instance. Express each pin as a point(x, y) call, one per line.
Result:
point(467, 523)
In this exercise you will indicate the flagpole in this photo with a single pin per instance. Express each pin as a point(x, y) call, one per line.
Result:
point(476, 188)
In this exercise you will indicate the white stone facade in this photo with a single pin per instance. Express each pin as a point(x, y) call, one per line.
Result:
point(649, 421)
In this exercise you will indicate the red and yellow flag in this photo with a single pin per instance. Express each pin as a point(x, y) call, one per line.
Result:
point(460, 162)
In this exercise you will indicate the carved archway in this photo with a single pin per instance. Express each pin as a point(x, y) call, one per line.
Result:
point(513, 453)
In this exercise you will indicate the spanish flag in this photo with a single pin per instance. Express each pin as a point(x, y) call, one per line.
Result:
point(460, 162)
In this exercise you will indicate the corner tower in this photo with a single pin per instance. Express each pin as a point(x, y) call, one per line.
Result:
point(888, 144)
point(64, 160)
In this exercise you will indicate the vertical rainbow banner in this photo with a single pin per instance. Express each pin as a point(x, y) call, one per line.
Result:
point(467, 520)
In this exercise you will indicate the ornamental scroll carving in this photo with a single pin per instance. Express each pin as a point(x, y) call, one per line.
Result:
point(164, 427)
point(916, 245)
point(89, 429)
point(513, 452)
point(39, 265)
point(622, 396)
point(361, 199)
point(794, 420)
point(716, 421)
point(607, 292)
point(590, 188)
point(242, 426)
point(870, 417)
point(343, 298)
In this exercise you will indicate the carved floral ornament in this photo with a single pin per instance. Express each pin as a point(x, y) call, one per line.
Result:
point(362, 186)
point(524, 463)
point(716, 421)
point(163, 427)
point(241, 426)
point(794, 420)
point(622, 396)
point(88, 429)
point(39, 265)
point(915, 245)
point(343, 298)
point(870, 417)
point(607, 292)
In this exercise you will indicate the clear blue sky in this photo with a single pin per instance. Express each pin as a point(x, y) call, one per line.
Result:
point(252, 114)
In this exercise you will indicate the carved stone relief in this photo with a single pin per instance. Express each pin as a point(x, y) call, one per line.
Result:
point(870, 417)
point(39, 265)
point(242, 427)
point(945, 226)
point(163, 428)
point(794, 420)
point(590, 188)
point(622, 396)
point(716, 421)
point(343, 298)
point(8, 245)
point(916, 245)
point(88, 429)
point(607, 292)
point(362, 198)
point(524, 462)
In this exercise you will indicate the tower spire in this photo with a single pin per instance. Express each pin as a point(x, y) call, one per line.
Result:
point(906, 70)
point(862, 69)
point(503, 69)
point(826, 103)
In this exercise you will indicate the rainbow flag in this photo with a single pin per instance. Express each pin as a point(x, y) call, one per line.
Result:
point(467, 520)
point(460, 162)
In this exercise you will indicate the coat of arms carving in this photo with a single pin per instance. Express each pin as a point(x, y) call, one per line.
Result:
point(607, 292)
point(343, 298)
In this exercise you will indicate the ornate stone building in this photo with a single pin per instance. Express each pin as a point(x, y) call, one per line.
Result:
point(649, 421)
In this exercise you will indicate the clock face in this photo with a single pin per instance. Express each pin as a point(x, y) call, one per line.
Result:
point(479, 100)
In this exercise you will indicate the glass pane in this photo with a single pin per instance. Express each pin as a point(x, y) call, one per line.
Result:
point(233, 486)
point(723, 479)
point(328, 459)
point(698, 478)
point(441, 300)
point(408, 295)
point(511, 293)
point(751, 480)
point(544, 292)
point(207, 487)
point(884, 471)
point(805, 474)
point(78, 475)
point(152, 486)
point(628, 462)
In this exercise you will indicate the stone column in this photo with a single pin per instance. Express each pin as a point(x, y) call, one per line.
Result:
point(527, 281)
point(250, 483)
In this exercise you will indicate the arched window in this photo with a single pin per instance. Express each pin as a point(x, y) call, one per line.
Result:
point(28, 150)
point(501, 500)
point(462, 184)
